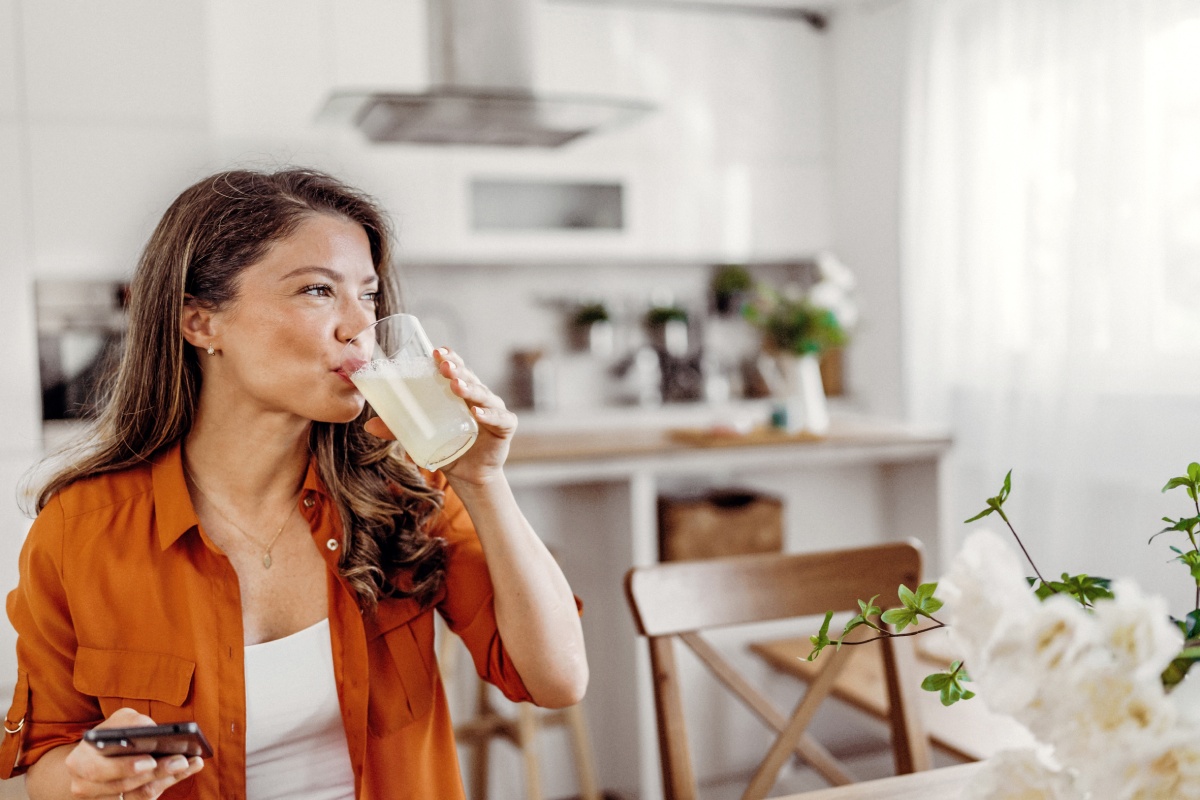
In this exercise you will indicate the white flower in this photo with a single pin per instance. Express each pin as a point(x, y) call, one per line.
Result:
point(1022, 774)
point(1136, 630)
point(1104, 722)
point(985, 594)
point(1022, 668)
point(1169, 770)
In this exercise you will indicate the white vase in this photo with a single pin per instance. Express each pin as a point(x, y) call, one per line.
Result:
point(804, 394)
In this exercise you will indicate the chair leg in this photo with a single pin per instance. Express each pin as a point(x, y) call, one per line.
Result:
point(480, 749)
point(527, 727)
point(585, 769)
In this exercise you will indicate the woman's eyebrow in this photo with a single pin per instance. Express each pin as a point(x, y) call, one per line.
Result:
point(331, 274)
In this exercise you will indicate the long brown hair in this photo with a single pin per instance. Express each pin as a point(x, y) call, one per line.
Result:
point(213, 231)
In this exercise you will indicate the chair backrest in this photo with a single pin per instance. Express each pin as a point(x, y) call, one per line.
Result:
point(679, 600)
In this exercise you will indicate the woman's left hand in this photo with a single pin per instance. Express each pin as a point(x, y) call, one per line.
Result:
point(485, 460)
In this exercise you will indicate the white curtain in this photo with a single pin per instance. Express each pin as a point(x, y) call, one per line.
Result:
point(1051, 267)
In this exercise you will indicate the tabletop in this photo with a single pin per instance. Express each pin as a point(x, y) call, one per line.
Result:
point(946, 783)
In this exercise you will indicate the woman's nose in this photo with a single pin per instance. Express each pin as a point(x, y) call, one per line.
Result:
point(353, 320)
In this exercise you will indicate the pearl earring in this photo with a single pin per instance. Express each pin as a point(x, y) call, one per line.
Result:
point(212, 351)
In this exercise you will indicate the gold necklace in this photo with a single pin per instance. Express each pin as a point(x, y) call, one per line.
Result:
point(266, 559)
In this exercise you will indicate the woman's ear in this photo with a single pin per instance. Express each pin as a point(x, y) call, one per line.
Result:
point(197, 323)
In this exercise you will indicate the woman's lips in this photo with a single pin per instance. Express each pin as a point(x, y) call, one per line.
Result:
point(349, 367)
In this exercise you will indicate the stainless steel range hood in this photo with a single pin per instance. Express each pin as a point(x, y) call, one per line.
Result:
point(481, 64)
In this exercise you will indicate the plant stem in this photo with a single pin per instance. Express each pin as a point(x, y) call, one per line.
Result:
point(1026, 552)
point(898, 635)
point(1196, 500)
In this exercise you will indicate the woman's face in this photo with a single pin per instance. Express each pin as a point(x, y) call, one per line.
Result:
point(279, 341)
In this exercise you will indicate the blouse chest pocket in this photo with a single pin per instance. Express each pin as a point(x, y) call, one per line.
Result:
point(400, 652)
point(155, 684)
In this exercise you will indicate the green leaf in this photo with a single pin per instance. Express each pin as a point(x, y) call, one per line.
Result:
point(949, 684)
point(1184, 524)
point(1175, 483)
point(900, 617)
point(1192, 559)
point(995, 503)
point(935, 682)
point(820, 640)
point(1084, 588)
point(1043, 589)
point(908, 598)
point(1179, 666)
point(1194, 472)
point(1189, 625)
point(855, 622)
point(867, 611)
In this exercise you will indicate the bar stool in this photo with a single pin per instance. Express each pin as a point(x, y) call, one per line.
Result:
point(520, 729)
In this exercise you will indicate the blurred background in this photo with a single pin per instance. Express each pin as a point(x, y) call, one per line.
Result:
point(1014, 186)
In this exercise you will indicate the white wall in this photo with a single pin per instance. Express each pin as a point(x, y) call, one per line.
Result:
point(869, 71)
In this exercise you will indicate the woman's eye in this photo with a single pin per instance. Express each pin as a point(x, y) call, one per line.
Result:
point(318, 290)
point(371, 296)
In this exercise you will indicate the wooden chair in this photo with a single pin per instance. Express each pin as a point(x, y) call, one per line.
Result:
point(679, 600)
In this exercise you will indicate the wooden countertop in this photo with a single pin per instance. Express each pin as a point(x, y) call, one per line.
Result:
point(607, 444)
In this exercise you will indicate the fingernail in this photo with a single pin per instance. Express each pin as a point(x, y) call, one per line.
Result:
point(481, 411)
point(444, 351)
point(453, 366)
point(144, 765)
point(177, 764)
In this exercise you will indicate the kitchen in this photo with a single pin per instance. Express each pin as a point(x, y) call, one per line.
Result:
point(775, 131)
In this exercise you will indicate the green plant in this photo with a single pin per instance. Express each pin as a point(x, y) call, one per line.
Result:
point(794, 326)
point(729, 279)
point(916, 607)
point(588, 313)
point(661, 315)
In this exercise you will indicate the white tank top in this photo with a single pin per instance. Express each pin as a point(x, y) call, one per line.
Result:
point(295, 743)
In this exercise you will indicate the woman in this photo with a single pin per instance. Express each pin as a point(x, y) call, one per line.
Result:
point(235, 549)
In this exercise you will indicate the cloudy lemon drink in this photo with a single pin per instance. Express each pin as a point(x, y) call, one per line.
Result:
point(403, 386)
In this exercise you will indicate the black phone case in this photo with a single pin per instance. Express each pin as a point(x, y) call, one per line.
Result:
point(178, 738)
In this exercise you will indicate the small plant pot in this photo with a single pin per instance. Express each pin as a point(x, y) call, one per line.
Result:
point(670, 337)
point(597, 338)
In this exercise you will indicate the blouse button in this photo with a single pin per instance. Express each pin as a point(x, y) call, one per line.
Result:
point(308, 502)
point(332, 544)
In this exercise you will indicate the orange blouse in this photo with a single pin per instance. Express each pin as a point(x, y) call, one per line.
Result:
point(124, 601)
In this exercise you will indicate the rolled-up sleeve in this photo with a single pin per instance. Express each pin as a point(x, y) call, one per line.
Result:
point(468, 604)
point(46, 711)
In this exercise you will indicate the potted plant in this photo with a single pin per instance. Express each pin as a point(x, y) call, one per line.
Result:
point(730, 286)
point(590, 328)
point(796, 332)
point(667, 326)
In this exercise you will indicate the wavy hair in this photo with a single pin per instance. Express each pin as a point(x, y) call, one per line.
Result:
point(212, 232)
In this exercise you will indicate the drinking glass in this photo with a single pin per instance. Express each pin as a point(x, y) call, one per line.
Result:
point(391, 363)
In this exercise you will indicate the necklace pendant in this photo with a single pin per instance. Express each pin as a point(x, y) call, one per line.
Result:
point(266, 560)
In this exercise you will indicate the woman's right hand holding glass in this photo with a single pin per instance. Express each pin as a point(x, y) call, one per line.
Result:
point(134, 777)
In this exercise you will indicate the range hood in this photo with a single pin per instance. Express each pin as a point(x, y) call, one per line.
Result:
point(481, 65)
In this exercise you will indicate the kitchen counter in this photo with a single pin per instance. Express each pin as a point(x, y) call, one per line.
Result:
point(847, 433)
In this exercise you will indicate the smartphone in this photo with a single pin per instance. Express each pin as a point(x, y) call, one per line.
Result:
point(176, 738)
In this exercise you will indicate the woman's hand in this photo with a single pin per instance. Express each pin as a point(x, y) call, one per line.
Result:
point(485, 460)
point(139, 777)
